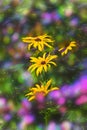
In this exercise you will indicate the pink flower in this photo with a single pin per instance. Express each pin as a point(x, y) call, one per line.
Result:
point(81, 100)
point(61, 101)
point(52, 126)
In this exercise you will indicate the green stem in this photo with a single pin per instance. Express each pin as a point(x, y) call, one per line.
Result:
point(46, 118)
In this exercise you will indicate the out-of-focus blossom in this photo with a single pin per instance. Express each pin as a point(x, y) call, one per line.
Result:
point(2, 102)
point(15, 37)
point(81, 100)
point(42, 63)
point(74, 22)
point(26, 121)
point(52, 126)
point(43, 89)
point(7, 117)
point(68, 12)
point(66, 90)
point(54, 95)
point(66, 125)
point(7, 65)
point(27, 78)
point(62, 109)
point(6, 109)
point(61, 101)
point(38, 42)
point(64, 50)
point(46, 18)
point(55, 16)
point(75, 89)
point(26, 104)
point(25, 108)
point(83, 83)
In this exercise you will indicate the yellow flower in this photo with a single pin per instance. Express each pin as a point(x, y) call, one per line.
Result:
point(42, 63)
point(64, 50)
point(44, 89)
point(38, 42)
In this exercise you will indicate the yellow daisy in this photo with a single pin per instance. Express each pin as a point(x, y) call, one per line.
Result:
point(64, 50)
point(38, 42)
point(44, 89)
point(42, 63)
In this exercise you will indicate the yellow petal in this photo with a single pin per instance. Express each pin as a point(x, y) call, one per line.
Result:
point(38, 86)
point(33, 59)
point(47, 45)
point(27, 38)
point(69, 48)
point(28, 94)
point(35, 44)
point(61, 49)
point(44, 55)
point(45, 67)
point(54, 88)
point(33, 67)
point(73, 44)
point(62, 53)
point(40, 48)
point(48, 83)
point(66, 51)
point(39, 70)
point(31, 98)
point(42, 87)
point(51, 57)
point(29, 46)
point(51, 62)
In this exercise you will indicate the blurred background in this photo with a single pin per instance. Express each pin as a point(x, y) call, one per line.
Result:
point(65, 21)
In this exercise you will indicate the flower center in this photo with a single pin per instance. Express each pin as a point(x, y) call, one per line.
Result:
point(66, 45)
point(37, 39)
point(43, 62)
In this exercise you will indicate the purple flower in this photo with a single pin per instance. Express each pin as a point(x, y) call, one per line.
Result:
point(54, 95)
point(26, 120)
point(25, 108)
point(26, 104)
point(74, 22)
point(46, 18)
point(7, 117)
point(83, 83)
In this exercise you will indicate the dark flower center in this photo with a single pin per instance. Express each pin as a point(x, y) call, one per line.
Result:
point(43, 62)
point(38, 40)
point(66, 45)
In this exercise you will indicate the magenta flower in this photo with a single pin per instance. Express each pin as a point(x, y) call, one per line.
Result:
point(25, 108)
point(81, 100)
point(61, 101)
point(26, 120)
point(54, 95)
point(2, 102)
point(83, 82)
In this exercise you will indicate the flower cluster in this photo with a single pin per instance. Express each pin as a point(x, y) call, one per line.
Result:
point(43, 63)
point(40, 64)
